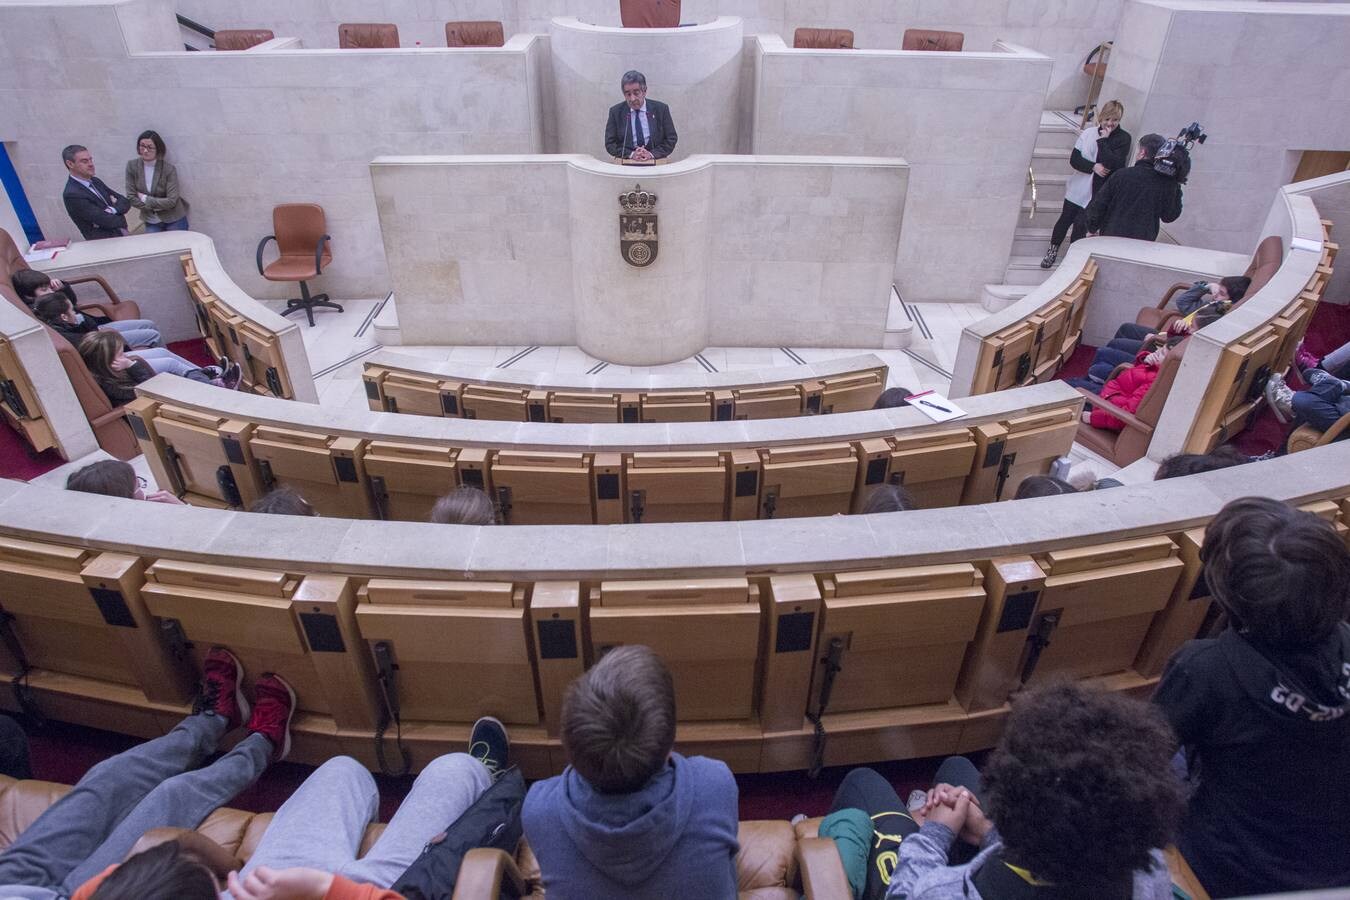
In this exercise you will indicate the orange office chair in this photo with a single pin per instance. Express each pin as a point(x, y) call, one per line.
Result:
point(367, 36)
point(241, 38)
point(474, 34)
point(649, 13)
point(299, 232)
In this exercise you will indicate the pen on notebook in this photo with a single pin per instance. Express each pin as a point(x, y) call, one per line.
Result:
point(935, 406)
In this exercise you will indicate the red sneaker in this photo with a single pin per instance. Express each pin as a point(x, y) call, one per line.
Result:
point(273, 707)
point(222, 690)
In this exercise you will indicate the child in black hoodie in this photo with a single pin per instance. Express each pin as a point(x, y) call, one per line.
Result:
point(1261, 710)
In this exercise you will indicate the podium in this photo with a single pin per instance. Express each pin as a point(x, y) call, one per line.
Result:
point(645, 163)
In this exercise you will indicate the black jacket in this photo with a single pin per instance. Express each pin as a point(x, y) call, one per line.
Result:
point(619, 134)
point(92, 217)
point(1132, 201)
point(76, 333)
point(1269, 733)
point(119, 391)
point(1113, 152)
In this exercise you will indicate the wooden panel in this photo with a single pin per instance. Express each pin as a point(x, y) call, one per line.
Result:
point(406, 392)
point(581, 408)
point(19, 401)
point(406, 480)
point(487, 402)
point(774, 402)
point(194, 453)
point(266, 367)
point(328, 471)
point(675, 487)
point(992, 669)
point(558, 640)
point(809, 480)
point(674, 406)
point(851, 392)
point(539, 488)
point(933, 465)
point(790, 653)
point(1180, 620)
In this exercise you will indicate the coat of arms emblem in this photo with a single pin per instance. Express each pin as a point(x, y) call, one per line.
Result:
point(637, 227)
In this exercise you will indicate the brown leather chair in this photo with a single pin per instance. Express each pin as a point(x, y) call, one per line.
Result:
point(1305, 437)
point(242, 38)
point(299, 230)
point(1266, 261)
point(474, 34)
point(928, 39)
point(367, 35)
point(1131, 443)
point(115, 308)
point(822, 39)
point(649, 13)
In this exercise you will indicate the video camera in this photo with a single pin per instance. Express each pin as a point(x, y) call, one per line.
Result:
point(1174, 157)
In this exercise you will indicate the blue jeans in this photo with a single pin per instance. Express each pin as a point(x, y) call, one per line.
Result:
point(1322, 404)
point(156, 227)
point(136, 332)
point(152, 785)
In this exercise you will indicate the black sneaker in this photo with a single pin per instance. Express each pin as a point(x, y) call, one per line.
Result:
point(223, 363)
point(1050, 255)
point(233, 375)
point(489, 744)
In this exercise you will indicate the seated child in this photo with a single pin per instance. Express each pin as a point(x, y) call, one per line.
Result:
point(118, 371)
point(42, 293)
point(464, 505)
point(1326, 399)
point(1261, 710)
point(283, 501)
point(115, 478)
point(1126, 388)
point(1074, 802)
point(629, 817)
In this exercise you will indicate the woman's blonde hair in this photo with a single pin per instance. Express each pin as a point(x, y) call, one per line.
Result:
point(99, 349)
point(1111, 109)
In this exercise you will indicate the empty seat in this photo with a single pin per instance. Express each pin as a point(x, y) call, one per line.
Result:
point(844, 393)
point(705, 630)
point(482, 401)
point(929, 39)
point(408, 392)
point(300, 230)
point(676, 487)
point(676, 406)
point(774, 402)
point(241, 38)
point(460, 648)
point(822, 39)
point(578, 408)
point(474, 34)
point(1047, 346)
point(537, 488)
point(367, 36)
point(931, 465)
point(810, 480)
point(649, 13)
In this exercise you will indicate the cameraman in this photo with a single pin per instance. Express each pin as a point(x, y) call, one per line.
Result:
point(1133, 200)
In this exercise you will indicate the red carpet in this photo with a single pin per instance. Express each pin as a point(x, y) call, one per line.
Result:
point(1076, 366)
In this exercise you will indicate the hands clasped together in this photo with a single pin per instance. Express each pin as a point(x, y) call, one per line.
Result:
point(958, 809)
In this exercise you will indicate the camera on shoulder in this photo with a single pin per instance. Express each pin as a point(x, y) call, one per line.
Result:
point(1173, 159)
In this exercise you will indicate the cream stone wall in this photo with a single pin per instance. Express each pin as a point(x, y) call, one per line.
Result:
point(1331, 195)
point(696, 71)
point(1065, 30)
point(56, 397)
point(753, 251)
point(250, 130)
point(1265, 79)
point(966, 122)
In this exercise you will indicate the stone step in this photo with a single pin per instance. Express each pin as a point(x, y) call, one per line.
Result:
point(1056, 133)
point(1049, 190)
point(386, 330)
point(995, 297)
point(1051, 156)
point(1046, 215)
point(899, 327)
point(1026, 270)
point(1031, 242)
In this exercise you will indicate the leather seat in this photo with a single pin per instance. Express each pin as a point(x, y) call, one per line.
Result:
point(1131, 443)
point(115, 308)
point(242, 38)
point(928, 39)
point(649, 13)
point(822, 39)
point(300, 232)
point(766, 866)
point(1266, 261)
point(367, 35)
point(474, 34)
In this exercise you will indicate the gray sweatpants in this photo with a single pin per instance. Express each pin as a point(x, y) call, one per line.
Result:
point(152, 785)
point(322, 823)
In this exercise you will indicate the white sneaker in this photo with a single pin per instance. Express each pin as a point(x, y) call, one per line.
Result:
point(1280, 398)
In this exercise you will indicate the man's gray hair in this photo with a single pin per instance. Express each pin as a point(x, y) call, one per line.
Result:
point(68, 154)
point(633, 76)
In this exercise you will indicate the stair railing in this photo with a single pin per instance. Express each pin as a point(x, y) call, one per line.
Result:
point(1031, 180)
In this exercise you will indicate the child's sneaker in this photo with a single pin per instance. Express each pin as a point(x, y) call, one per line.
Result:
point(233, 375)
point(273, 707)
point(1280, 397)
point(489, 744)
point(1303, 359)
point(222, 691)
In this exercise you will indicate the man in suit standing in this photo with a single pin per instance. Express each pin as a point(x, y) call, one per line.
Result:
point(96, 209)
point(639, 129)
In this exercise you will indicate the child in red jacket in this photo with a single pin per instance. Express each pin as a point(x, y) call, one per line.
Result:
point(1126, 389)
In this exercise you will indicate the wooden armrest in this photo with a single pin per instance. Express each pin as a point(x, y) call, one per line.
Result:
point(1182, 876)
point(485, 873)
point(1128, 418)
point(217, 858)
point(822, 870)
point(107, 288)
point(1172, 292)
point(117, 412)
point(1335, 430)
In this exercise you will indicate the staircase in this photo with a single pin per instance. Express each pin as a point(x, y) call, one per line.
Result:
point(1050, 163)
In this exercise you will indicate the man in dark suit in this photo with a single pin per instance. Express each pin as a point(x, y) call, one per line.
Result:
point(639, 129)
point(96, 209)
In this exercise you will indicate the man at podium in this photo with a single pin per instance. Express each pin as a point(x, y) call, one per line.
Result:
point(639, 129)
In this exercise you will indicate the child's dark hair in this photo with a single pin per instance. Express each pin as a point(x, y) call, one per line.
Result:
point(283, 501)
point(167, 871)
point(51, 307)
point(1043, 486)
point(1236, 285)
point(888, 498)
point(109, 477)
point(1080, 788)
point(1281, 574)
point(27, 282)
point(1180, 464)
point(618, 720)
point(464, 505)
point(892, 397)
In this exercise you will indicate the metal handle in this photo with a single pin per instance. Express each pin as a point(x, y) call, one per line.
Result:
point(1031, 180)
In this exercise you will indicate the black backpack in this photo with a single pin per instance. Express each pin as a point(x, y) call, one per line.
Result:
point(492, 821)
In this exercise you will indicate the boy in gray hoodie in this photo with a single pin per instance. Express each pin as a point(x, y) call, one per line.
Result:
point(1077, 797)
point(629, 817)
